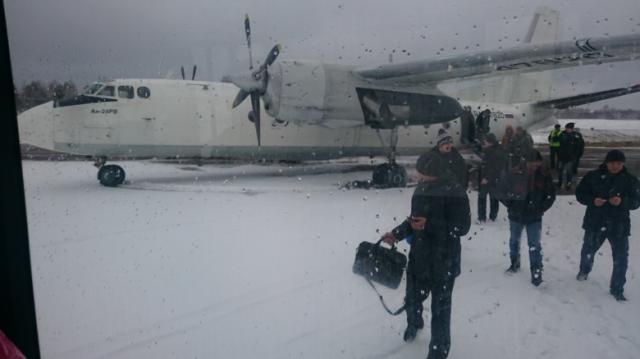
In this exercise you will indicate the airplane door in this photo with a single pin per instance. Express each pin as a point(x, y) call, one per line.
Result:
point(100, 119)
point(139, 120)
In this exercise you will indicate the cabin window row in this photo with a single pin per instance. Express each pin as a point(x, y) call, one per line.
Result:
point(124, 91)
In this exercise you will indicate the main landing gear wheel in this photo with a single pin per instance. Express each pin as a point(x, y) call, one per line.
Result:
point(389, 175)
point(111, 175)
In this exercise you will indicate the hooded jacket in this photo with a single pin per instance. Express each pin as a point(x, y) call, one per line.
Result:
point(601, 183)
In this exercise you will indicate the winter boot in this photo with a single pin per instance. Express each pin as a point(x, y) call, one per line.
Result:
point(536, 277)
point(515, 265)
point(582, 276)
point(410, 333)
point(618, 295)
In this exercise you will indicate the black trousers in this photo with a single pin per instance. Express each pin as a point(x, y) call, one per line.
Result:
point(494, 205)
point(553, 157)
point(441, 291)
point(593, 240)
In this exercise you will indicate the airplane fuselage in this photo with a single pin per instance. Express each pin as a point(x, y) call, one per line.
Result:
point(177, 118)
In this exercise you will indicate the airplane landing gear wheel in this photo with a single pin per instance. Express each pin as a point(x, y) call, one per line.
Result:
point(389, 175)
point(111, 175)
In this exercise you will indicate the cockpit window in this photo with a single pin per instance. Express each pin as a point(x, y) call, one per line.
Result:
point(143, 92)
point(125, 91)
point(107, 91)
point(94, 88)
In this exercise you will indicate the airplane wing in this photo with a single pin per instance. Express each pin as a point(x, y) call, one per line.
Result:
point(566, 102)
point(527, 58)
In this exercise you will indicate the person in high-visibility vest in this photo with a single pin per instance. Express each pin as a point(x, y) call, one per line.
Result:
point(554, 145)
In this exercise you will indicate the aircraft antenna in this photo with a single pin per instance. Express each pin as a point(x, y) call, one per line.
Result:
point(247, 32)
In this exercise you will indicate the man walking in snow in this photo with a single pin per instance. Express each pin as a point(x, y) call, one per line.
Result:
point(554, 145)
point(530, 193)
point(609, 192)
point(571, 147)
point(494, 162)
point(439, 216)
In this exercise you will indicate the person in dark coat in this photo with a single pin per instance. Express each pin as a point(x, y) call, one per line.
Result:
point(483, 122)
point(528, 194)
point(571, 147)
point(576, 164)
point(468, 128)
point(520, 146)
point(494, 163)
point(440, 214)
point(450, 156)
point(609, 192)
point(554, 145)
point(507, 138)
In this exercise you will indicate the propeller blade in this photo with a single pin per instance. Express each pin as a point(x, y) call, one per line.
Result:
point(247, 32)
point(193, 74)
point(182, 71)
point(273, 55)
point(255, 106)
point(242, 94)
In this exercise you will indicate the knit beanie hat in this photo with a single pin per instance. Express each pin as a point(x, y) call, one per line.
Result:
point(614, 155)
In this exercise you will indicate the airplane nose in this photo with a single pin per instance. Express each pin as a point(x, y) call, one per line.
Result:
point(36, 126)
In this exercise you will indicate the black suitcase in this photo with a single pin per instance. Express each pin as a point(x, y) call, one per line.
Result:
point(379, 264)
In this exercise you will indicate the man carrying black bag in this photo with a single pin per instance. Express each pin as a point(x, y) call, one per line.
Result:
point(440, 214)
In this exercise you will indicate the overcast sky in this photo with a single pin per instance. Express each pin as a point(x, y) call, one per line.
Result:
point(84, 40)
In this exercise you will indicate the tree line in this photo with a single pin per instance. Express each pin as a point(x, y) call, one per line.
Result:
point(34, 93)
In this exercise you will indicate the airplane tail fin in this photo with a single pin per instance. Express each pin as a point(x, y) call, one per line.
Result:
point(544, 28)
point(537, 86)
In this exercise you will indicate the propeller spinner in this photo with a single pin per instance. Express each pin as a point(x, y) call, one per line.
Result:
point(254, 83)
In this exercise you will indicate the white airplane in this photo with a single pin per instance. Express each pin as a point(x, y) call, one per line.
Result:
point(319, 111)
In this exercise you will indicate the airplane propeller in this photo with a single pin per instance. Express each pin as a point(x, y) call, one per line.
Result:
point(193, 73)
point(254, 83)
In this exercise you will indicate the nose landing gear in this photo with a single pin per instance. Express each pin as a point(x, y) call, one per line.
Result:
point(109, 175)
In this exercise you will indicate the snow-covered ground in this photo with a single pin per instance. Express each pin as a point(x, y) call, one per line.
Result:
point(243, 261)
point(599, 131)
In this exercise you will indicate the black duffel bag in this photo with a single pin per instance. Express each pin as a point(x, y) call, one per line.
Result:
point(379, 264)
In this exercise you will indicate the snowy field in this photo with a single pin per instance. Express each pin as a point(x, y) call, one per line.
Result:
point(599, 131)
point(243, 261)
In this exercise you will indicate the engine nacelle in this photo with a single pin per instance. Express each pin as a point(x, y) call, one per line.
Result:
point(313, 93)
point(332, 96)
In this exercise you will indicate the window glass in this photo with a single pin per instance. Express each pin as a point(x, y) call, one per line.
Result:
point(107, 91)
point(143, 92)
point(94, 88)
point(223, 219)
point(125, 91)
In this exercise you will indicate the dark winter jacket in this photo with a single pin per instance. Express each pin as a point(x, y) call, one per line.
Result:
point(468, 128)
point(520, 146)
point(483, 122)
point(571, 146)
point(435, 251)
point(451, 161)
point(494, 163)
point(528, 196)
point(601, 183)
